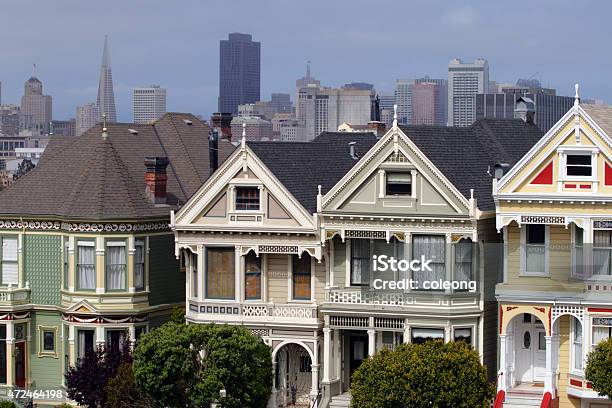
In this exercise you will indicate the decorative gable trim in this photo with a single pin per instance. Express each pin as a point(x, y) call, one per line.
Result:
point(545, 177)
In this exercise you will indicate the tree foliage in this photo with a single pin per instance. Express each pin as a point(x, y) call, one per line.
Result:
point(599, 368)
point(122, 391)
point(86, 382)
point(187, 365)
point(433, 374)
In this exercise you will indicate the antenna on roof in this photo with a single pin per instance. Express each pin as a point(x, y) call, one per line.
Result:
point(104, 134)
point(395, 117)
point(577, 96)
point(243, 141)
point(34, 70)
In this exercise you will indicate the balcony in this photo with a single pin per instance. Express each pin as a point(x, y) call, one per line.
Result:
point(253, 313)
point(13, 295)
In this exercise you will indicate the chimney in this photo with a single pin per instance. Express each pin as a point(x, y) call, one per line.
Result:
point(352, 150)
point(525, 109)
point(223, 122)
point(377, 127)
point(155, 179)
point(213, 150)
point(500, 169)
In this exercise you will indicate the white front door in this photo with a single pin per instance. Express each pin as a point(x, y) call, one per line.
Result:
point(530, 343)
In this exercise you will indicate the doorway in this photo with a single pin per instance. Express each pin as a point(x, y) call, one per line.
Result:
point(358, 351)
point(20, 364)
point(530, 348)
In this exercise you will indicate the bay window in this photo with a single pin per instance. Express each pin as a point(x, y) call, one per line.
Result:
point(463, 260)
point(602, 252)
point(301, 268)
point(430, 247)
point(85, 343)
point(8, 260)
point(220, 273)
point(360, 261)
point(577, 340)
point(116, 265)
point(602, 330)
point(463, 334)
point(535, 249)
point(193, 261)
point(422, 335)
point(86, 265)
point(252, 276)
point(116, 340)
point(139, 264)
point(66, 261)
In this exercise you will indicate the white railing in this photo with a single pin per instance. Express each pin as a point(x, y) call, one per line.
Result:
point(255, 311)
point(12, 294)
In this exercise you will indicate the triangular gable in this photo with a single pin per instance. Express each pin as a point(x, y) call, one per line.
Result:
point(543, 170)
point(82, 306)
point(395, 152)
point(243, 163)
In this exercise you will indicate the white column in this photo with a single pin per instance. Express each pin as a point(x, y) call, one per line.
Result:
point(406, 331)
point(272, 400)
point(371, 342)
point(550, 371)
point(10, 353)
point(501, 374)
point(326, 354)
point(100, 340)
point(381, 190)
point(314, 388)
point(337, 356)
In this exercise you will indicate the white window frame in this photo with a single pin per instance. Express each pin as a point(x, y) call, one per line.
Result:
point(573, 369)
point(524, 272)
point(577, 151)
point(12, 262)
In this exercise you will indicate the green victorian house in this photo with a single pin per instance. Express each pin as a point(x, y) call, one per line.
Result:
point(87, 254)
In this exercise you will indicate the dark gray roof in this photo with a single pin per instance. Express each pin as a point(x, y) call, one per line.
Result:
point(92, 178)
point(303, 166)
point(464, 154)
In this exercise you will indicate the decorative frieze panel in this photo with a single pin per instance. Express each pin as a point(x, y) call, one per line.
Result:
point(542, 219)
point(15, 316)
point(388, 323)
point(75, 318)
point(279, 249)
point(255, 311)
point(260, 332)
point(84, 227)
point(348, 321)
point(602, 224)
point(602, 321)
point(560, 310)
point(365, 234)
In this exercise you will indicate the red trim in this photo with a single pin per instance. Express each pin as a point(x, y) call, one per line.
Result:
point(569, 186)
point(499, 399)
point(575, 383)
point(589, 385)
point(608, 175)
point(545, 176)
point(546, 400)
point(501, 318)
point(585, 186)
point(599, 310)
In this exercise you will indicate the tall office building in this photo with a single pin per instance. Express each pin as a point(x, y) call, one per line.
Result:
point(63, 127)
point(86, 117)
point(281, 102)
point(465, 80)
point(385, 106)
point(324, 109)
point(106, 95)
point(404, 100)
point(239, 72)
point(429, 101)
point(36, 107)
point(149, 104)
point(304, 82)
point(10, 120)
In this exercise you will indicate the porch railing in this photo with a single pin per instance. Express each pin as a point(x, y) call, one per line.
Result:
point(14, 294)
point(256, 311)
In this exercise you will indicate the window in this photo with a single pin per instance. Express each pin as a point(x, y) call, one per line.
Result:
point(578, 165)
point(194, 273)
point(578, 266)
point(86, 265)
point(541, 341)
point(116, 340)
point(301, 277)
point(139, 261)
point(398, 184)
point(360, 261)
point(8, 259)
point(116, 265)
point(577, 344)
point(85, 343)
point(430, 247)
point(602, 330)
point(463, 260)
point(247, 198)
point(252, 276)
point(421, 335)
point(220, 273)
point(46, 346)
point(463, 334)
point(66, 262)
point(535, 248)
point(602, 253)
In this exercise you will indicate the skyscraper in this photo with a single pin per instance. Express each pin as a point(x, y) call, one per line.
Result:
point(239, 72)
point(404, 98)
point(465, 80)
point(149, 103)
point(36, 107)
point(106, 95)
point(429, 101)
point(86, 117)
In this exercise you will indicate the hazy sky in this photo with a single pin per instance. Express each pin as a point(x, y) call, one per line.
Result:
point(175, 44)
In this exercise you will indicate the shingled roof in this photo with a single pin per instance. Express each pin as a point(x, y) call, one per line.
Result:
point(465, 154)
point(95, 178)
point(303, 166)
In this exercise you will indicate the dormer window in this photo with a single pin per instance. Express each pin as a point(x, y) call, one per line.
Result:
point(247, 198)
point(399, 184)
point(579, 165)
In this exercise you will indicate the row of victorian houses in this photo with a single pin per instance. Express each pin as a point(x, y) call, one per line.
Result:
point(114, 229)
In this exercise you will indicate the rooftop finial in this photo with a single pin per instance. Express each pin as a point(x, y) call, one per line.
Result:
point(243, 141)
point(395, 116)
point(34, 70)
point(577, 96)
point(104, 134)
point(308, 69)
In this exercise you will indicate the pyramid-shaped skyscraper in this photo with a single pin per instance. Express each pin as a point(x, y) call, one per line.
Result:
point(106, 95)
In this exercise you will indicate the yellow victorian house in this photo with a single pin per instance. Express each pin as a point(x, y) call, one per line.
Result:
point(554, 209)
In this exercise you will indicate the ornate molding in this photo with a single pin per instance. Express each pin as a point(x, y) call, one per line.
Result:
point(102, 227)
point(602, 224)
point(543, 219)
point(76, 318)
point(15, 316)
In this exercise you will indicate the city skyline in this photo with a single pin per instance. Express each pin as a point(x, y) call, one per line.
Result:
point(187, 62)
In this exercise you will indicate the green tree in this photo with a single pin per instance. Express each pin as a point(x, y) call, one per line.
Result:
point(433, 374)
point(599, 368)
point(187, 365)
point(122, 391)
point(7, 404)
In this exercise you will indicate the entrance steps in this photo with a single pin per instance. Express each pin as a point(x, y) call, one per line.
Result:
point(523, 398)
point(340, 401)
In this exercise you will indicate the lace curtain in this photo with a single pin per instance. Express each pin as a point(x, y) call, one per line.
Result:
point(86, 266)
point(115, 267)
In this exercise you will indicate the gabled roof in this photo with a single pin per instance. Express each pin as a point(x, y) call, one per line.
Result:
point(303, 166)
point(93, 178)
point(465, 154)
point(602, 115)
